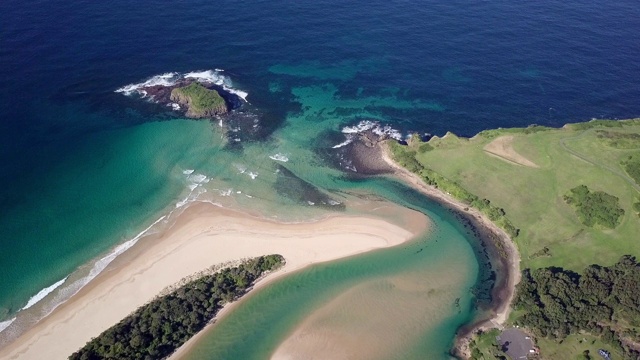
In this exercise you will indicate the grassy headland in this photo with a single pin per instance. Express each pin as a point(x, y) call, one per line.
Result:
point(569, 197)
point(201, 102)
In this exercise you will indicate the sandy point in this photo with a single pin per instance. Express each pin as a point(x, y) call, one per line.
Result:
point(203, 235)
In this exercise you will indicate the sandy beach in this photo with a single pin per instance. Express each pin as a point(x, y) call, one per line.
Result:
point(203, 236)
point(504, 289)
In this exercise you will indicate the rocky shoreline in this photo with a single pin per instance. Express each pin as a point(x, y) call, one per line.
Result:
point(171, 95)
point(499, 247)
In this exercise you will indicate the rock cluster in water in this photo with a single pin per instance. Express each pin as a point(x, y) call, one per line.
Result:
point(371, 138)
point(200, 100)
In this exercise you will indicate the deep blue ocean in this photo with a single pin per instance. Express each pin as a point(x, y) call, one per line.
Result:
point(84, 168)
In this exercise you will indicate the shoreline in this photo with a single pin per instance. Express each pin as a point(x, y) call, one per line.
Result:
point(204, 235)
point(493, 237)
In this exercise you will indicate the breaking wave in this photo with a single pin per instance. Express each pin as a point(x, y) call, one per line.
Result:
point(5, 324)
point(166, 79)
point(43, 293)
point(243, 170)
point(195, 184)
point(279, 157)
point(351, 132)
point(214, 77)
point(171, 78)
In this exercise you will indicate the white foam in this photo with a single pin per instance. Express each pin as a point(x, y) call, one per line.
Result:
point(198, 178)
point(241, 168)
point(210, 76)
point(166, 79)
point(174, 106)
point(214, 77)
point(360, 127)
point(367, 125)
point(374, 126)
point(44, 292)
point(344, 143)
point(225, 192)
point(73, 288)
point(389, 131)
point(194, 194)
point(5, 324)
point(195, 182)
point(171, 78)
point(279, 157)
point(106, 260)
point(311, 203)
point(242, 94)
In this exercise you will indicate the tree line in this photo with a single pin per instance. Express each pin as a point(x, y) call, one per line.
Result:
point(595, 207)
point(603, 301)
point(157, 329)
point(406, 157)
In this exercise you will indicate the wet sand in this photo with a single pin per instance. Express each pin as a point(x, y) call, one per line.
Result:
point(501, 249)
point(381, 319)
point(204, 235)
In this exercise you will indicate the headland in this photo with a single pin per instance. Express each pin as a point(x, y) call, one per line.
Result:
point(556, 192)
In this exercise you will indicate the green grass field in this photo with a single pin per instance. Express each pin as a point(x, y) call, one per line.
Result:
point(533, 197)
point(573, 347)
point(527, 176)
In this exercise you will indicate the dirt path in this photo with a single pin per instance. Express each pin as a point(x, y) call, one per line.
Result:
point(502, 147)
point(584, 158)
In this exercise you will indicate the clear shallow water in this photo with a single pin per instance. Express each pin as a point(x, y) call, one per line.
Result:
point(404, 302)
point(84, 168)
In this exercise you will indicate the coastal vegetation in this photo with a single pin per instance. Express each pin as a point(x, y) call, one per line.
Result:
point(632, 166)
point(595, 207)
point(407, 158)
point(200, 101)
point(619, 140)
point(485, 346)
point(572, 197)
point(157, 329)
point(530, 200)
point(554, 303)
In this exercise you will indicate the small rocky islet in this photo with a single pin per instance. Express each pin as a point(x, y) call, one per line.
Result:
point(198, 100)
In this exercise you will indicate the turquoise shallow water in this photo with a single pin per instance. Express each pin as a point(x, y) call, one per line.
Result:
point(84, 169)
point(439, 270)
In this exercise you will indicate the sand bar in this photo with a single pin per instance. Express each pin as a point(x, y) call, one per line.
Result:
point(504, 290)
point(204, 235)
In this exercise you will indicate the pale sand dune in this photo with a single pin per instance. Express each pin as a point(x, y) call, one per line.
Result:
point(203, 235)
point(378, 319)
point(502, 147)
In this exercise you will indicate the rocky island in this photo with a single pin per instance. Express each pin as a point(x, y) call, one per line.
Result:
point(197, 98)
point(199, 101)
point(200, 95)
